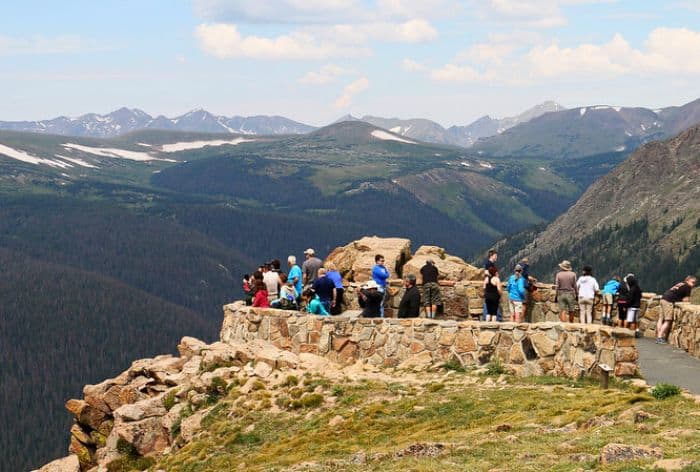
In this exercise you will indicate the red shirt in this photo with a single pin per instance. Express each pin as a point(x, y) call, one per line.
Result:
point(260, 299)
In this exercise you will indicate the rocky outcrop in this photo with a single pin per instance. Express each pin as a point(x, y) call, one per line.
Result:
point(158, 404)
point(355, 260)
point(65, 464)
point(570, 350)
point(613, 453)
point(449, 267)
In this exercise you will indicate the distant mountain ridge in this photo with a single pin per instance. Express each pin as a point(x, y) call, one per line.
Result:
point(643, 217)
point(465, 136)
point(126, 120)
point(590, 130)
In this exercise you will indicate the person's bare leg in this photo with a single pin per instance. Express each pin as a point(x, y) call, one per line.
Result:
point(659, 326)
point(563, 316)
point(665, 328)
point(572, 315)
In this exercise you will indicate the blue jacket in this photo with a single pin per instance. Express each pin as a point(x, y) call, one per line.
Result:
point(611, 287)
point(380, 274)
point(516, 288)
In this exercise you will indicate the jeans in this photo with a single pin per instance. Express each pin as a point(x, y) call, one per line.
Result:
point(382, 290)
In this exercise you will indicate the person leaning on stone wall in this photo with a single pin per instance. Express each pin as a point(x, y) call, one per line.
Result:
point(678, 293)
point(370, 299)
point(431, 290)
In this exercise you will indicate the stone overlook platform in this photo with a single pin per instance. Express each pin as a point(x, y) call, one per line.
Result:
point(561, 349)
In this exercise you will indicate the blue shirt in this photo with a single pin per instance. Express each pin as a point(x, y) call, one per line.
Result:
point(295, 271)
point(335, 276)
point(380, 274)
point(611, 287)
point(315, 307)
point(516, 288)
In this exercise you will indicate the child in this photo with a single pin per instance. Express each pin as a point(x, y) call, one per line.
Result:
point(609, 291)
point(260, 299)
point(248, 289)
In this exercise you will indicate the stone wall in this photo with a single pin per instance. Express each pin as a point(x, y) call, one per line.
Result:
point(464, 300)
point(570, 350)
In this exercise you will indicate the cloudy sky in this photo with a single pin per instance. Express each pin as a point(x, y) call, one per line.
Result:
point(313, 60)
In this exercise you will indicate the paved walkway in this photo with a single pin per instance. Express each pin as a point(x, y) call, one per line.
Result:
point(664, 363)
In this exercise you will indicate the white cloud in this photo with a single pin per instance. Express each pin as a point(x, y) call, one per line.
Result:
point(280, 11)
point(66, 44)
point(327, 74)
point(412, 31)
point(412, 66)
point(666, 51)
point(225, 41)
point(532, 13)
point(350, 91)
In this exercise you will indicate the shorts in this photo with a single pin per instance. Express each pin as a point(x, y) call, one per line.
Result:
point(516, 307)
point(666, 310)
point(431, 294)
point(607, 299)
point(566, 301)
point(622, 311)
point(632, 314)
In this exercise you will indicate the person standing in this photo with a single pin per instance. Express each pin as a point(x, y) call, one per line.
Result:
point(380, 275)
point(516, 294)
point(490, 261)
point(565, 283)
point(623, 293)
point(587, 287)
point(325, 289)
point(294, 275)
point(333, 274)
point(678, 293)
point(608, 294)
point(409, 307)
point(431, 290)
point(492, 294)
point(635, 303)
point(310, 267)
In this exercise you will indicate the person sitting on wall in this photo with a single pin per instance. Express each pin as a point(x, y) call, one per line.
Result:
point(409, 307)
point(370, 299)
point(313, 303)
point(678, 293)
point(260, 300)
point(288, 295)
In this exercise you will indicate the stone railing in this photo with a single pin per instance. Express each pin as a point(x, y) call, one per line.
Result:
point(570, 350)
point(463, 300)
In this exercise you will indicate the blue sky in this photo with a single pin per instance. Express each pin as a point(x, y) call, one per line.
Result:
point(313, 60)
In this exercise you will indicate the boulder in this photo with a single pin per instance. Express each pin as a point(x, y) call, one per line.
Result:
point(613, 452)
point(147, 436)
point(449, 267)
point(190, 346)
point(65, 464)
point(355, 260)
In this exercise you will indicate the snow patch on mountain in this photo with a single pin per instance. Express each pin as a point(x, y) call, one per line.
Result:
point(26, 157)
point(386, 136)
point(115, 153)
point(189, 145)
point(77, 161)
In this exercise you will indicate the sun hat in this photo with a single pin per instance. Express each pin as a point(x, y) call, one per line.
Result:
point(566, 265)
point(310, 252)
point(371, 284)
point(518, 267)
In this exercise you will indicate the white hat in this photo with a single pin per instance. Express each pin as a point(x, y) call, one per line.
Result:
point(371, 284)
point(310, 252)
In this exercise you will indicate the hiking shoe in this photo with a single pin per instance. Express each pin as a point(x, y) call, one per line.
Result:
point(637, 334)
point(662, 341)
point(658, 341)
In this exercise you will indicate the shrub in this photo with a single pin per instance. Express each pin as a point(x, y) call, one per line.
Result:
point(170, 399)
point(312, 400)
point(495, 367)
point(436, 387)
point(337, 391)
point(664, 390)
point(291, 381)
point(454, 364)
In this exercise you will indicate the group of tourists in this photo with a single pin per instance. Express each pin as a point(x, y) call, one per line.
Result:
point(318, 289)
point(314, 286)
point(626, 293)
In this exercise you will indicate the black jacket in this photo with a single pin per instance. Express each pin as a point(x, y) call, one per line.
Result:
point(371, 304)
point(409, 307)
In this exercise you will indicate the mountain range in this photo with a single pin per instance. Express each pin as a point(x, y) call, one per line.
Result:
point(586, 131)
point(126, 120)
point(643, 217)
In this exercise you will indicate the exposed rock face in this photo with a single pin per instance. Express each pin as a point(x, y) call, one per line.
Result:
point(159, 403)
point(355, 260)
point(449, 267)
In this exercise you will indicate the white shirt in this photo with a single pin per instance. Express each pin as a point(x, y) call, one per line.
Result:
point(271, 280)
point(587, 287)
